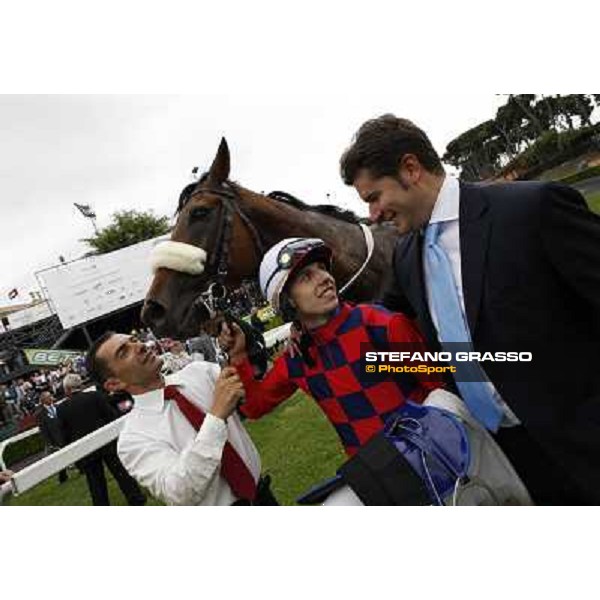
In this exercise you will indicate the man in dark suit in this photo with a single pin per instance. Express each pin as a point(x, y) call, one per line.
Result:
point(512, 266)
point(82, 413)
point(50, 427)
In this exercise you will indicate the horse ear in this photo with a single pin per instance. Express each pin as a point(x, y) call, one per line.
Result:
point(219, 170)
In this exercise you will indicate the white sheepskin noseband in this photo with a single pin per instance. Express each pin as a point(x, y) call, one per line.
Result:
point(178, 256)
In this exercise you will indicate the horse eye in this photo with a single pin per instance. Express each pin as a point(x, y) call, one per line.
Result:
point(199, 212)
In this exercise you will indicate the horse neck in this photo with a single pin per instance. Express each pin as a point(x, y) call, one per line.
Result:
point(277, 220)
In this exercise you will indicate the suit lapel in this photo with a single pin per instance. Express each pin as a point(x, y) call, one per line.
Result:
point(475, 225)
point(414, 287)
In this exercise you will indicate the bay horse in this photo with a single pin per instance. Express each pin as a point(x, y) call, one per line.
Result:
point(221, 234)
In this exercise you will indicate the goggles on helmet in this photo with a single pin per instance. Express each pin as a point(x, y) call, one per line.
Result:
point(294, 253)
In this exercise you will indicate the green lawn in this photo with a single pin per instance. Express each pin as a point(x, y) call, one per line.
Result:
point(297, 445)
point(73, 492)
point(594, 202)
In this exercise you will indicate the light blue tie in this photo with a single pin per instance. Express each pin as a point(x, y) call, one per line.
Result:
point(452, 327)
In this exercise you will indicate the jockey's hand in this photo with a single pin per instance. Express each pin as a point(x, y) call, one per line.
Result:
point(233, 341)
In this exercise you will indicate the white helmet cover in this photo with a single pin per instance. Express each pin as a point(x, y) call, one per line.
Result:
point(273, 275)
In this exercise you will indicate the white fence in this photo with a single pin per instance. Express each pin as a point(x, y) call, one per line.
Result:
point(45, 468)
point(13, 440)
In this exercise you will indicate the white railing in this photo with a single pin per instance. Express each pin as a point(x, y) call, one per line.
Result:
point(41, 470)
point(48, 466)
point(279, 334)
point(13, 440)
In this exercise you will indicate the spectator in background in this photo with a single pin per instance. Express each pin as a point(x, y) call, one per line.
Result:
point(50, 428)
point(40, 382)
point(79, 366)
point(256, 322)
point(12, 407)
point(20, 393)
point(82, 413)
point(175, 358)
point(202, 347)
point(5, 414)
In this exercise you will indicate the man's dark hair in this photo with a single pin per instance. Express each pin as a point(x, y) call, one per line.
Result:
point(380, 144)
point(97, 369)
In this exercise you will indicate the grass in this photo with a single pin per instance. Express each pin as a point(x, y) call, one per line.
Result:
point(581, 176)
point(297, 445)
point(593, 201)
point(73, 492)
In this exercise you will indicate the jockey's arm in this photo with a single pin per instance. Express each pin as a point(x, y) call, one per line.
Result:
point(264, 395)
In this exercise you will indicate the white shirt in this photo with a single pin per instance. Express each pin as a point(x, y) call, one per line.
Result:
point(161, 449)
point(447, 212)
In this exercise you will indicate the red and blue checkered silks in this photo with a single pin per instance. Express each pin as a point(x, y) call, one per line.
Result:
point(356, 407)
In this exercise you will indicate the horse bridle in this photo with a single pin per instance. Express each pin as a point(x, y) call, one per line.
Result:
point(214, 299)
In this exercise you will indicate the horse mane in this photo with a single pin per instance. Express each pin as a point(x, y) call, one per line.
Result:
point(329, 210)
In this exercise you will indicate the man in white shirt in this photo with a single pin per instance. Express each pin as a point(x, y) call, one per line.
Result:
point(182, 440)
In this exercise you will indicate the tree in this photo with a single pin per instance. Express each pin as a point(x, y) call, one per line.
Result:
point(582, 106)
point(525, 104)
point(527, 131)
point(509, 123)
point(476, 152)
point(128, 227)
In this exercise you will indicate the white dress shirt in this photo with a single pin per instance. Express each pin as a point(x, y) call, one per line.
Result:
point(447, 212)
point(161, 449)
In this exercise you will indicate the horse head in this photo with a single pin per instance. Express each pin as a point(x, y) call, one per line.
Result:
point(193, 270)
point(216, 245)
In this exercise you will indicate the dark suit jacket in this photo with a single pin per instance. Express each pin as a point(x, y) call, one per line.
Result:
point(83, 413)
point(530, 256)
point(50, 428)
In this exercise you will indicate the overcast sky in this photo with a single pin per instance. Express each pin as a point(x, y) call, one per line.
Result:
point(137, 152)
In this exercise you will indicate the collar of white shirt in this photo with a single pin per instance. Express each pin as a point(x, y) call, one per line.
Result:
point(446, 206)
point(154, 400)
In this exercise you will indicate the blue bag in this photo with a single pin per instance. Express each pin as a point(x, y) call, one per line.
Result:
point(420, 458)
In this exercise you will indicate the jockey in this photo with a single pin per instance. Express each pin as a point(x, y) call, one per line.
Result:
point(295, 278)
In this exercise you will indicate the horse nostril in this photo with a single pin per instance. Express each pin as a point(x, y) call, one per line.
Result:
point(153, 313)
